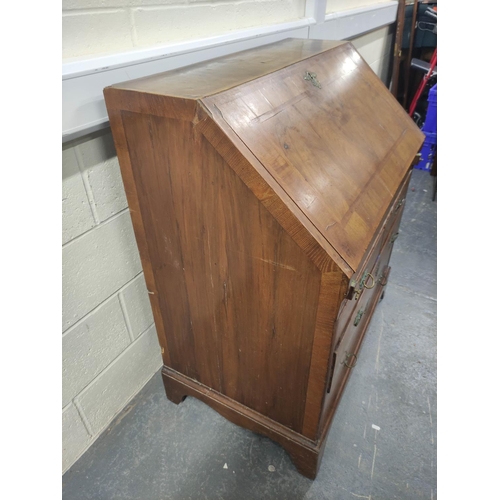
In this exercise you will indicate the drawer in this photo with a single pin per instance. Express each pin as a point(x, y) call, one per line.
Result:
point(355, 318)
point(381, 265)
point(398, 206)
point(349, 306)
point(345, 353)
point(354, 324)
point(365, 279)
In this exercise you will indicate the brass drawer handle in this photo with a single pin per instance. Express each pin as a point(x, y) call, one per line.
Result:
point(358, 317)
point(347, 356)
point(366, 279)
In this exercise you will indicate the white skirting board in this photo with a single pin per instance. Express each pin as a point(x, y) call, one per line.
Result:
point(83, 80)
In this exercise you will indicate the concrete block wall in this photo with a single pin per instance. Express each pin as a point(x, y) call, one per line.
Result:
point(91, 27)
point(339, 5)
point(110, 349)
point(375, 49)
point(109, 344)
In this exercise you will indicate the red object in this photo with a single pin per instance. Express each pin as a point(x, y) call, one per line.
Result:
point(421, 87)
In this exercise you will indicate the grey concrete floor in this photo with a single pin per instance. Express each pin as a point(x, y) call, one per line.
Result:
point(382, 443)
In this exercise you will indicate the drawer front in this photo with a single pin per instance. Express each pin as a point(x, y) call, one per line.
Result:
point(355, 317)
point(345, 354)
point(366, 283)
point(377, 279)
point(366, 278)
point(398, 206)
point(381, 265)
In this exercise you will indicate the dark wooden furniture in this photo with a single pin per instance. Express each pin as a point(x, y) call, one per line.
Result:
point(266, 190)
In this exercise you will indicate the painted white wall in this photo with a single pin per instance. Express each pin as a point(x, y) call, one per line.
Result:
point(110, 349)
point(339, 5)
point(91, 27)
point(109, 344)
point(375, 48)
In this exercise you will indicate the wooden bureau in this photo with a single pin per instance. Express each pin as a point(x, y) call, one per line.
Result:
point(266, 190)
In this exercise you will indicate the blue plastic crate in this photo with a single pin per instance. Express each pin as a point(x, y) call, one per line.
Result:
point(430, 124)
point(430, 130)
point(427, 152)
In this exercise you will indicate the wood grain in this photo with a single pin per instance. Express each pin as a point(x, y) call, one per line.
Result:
point(333, 287)
point(409, 55)
point(269, 193)
point(305, 136)
point(398, 42)
point(257, 199)
point(237, 294)
point(115, 103)
point(347, 307)
point(216, 75)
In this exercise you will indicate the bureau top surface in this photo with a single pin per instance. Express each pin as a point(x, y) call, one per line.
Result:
point(210, 77)
point(327, 134)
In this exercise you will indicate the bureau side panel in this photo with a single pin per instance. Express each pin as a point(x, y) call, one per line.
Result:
point(238, 297)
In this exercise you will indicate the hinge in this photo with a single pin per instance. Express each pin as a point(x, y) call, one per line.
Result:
point(350, 292)
point(358, 317)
